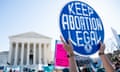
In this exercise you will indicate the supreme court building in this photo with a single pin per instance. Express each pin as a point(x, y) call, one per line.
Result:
point(29, 49)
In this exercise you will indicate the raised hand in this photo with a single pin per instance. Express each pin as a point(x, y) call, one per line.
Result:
point(68, 46)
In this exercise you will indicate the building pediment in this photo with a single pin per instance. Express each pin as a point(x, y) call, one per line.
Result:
point(30, 35)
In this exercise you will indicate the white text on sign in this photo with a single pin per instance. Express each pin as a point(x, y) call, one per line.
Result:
point(81, 19)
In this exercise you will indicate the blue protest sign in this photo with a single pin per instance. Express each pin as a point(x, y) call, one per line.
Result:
point(80, 23)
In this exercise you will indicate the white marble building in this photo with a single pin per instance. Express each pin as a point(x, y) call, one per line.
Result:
point(29, 49)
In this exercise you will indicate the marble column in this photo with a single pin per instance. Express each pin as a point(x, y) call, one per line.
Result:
point(28, 53)
point(40, 54)
point(16, 54)
point(10, 53)
point(34, 53)
point(45, 54)
point(22, 53)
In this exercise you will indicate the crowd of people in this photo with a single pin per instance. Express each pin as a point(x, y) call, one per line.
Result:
point(108, 67)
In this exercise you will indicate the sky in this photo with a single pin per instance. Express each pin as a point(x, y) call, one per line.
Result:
point(42, 16)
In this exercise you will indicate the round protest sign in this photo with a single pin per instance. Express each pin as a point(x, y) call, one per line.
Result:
point(80, 23)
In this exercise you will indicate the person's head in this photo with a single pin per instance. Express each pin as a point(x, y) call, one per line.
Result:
point(86, 69)
point(65, 70)
point(10, 70)
point(117, 66)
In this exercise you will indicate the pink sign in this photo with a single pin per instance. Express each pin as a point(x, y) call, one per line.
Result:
point(61, 59)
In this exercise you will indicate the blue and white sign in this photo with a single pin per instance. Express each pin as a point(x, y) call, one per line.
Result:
point(80, 23)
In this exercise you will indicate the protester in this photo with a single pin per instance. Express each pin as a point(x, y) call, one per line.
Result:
point(73, 67)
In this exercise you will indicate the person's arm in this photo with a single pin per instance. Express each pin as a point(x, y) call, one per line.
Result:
point(72, 64)
point(69, 49)
point(106, 63)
